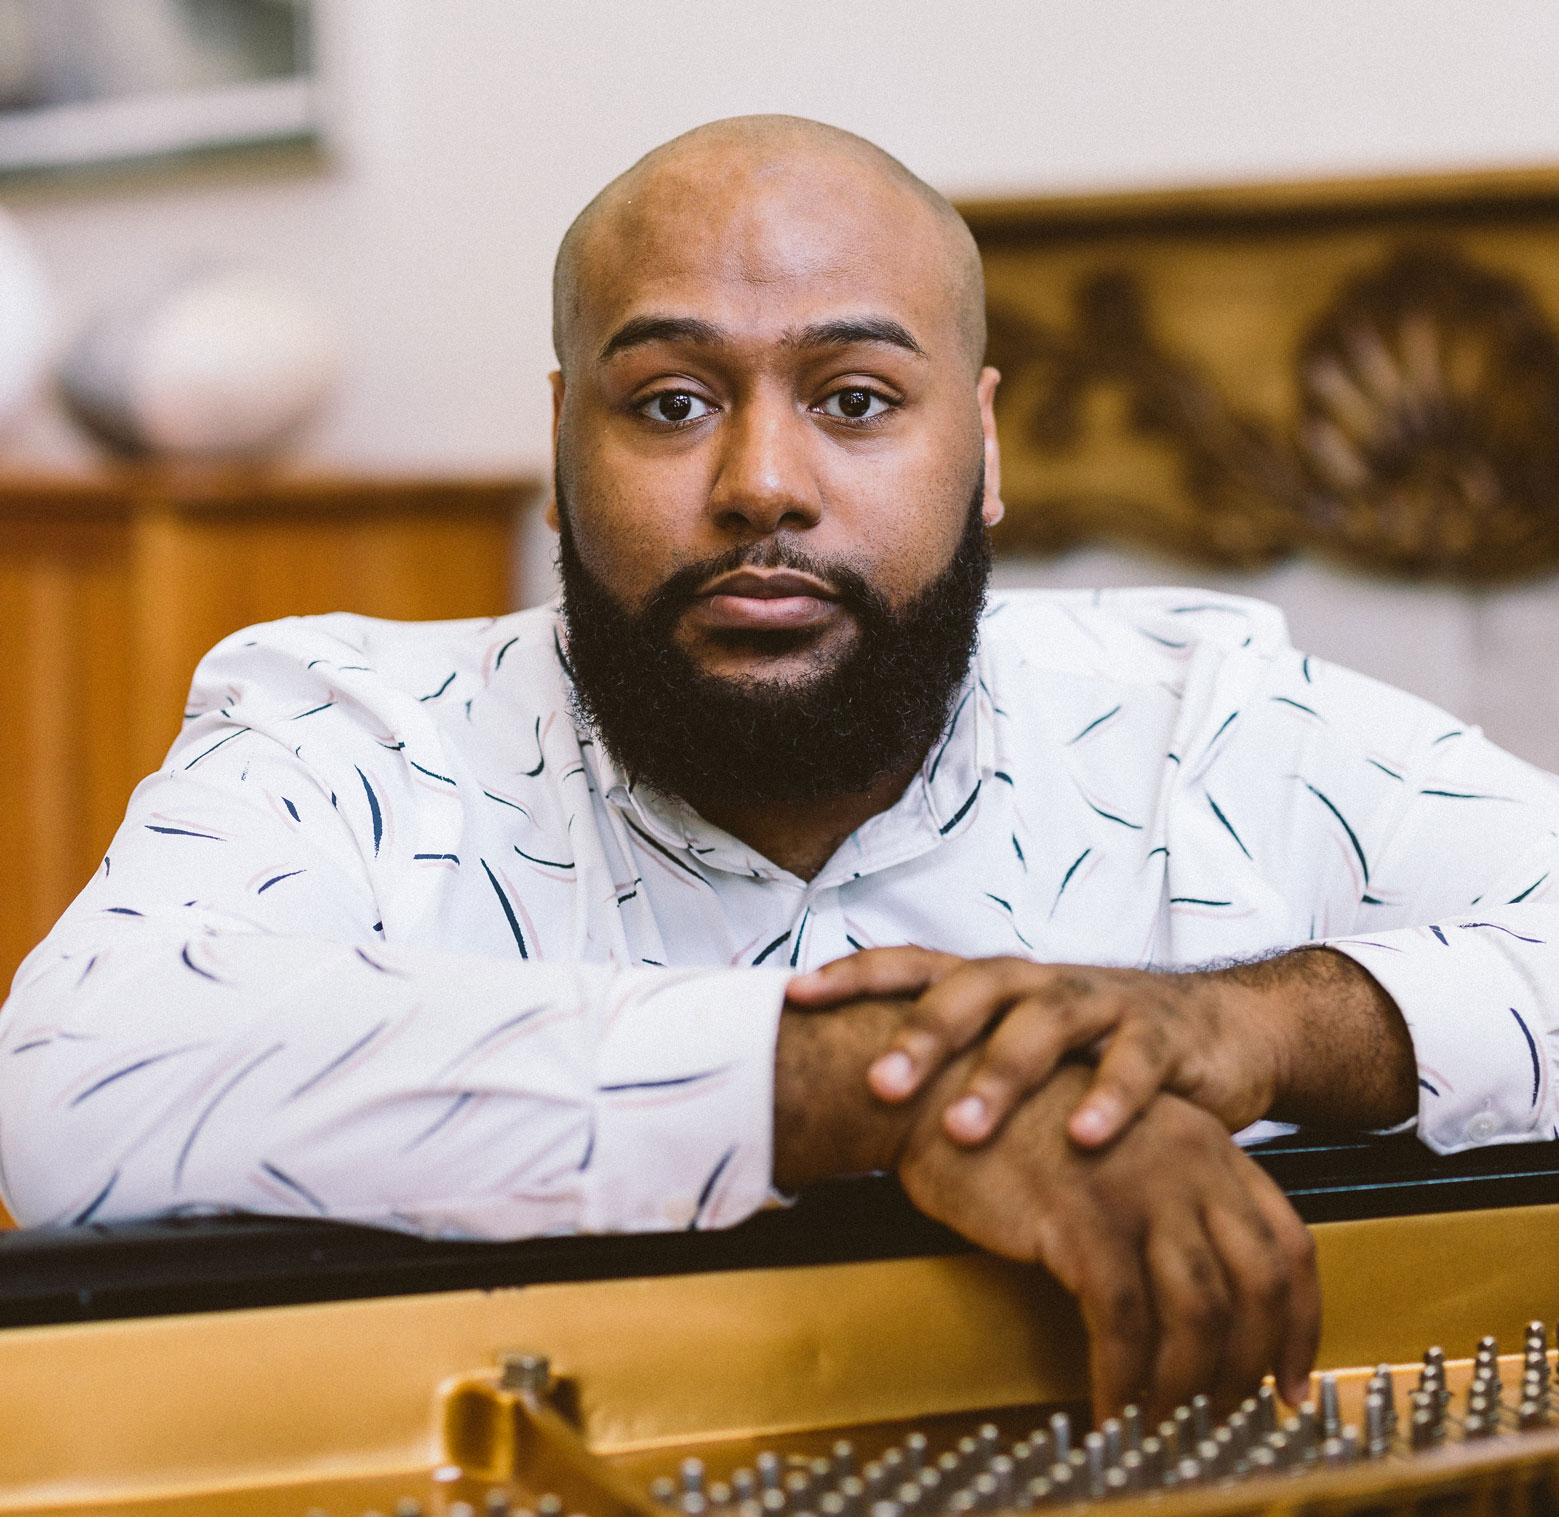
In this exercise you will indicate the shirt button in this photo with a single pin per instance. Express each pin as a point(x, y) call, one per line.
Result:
point(1481, 1128)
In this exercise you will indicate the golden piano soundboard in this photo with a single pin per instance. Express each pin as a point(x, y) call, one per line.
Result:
point(843, 1359)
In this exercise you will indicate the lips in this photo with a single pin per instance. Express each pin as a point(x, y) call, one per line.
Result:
point(765, 600)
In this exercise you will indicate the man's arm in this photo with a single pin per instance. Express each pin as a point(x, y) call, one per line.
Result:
point(257, 1003)
point(1424, 859)
point(1308, 1036)
point(1191, 1269)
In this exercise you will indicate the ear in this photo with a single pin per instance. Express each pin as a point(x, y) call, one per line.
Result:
point(555, 379)
point(993, 510)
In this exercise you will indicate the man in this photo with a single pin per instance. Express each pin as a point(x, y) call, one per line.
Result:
point(488, 928)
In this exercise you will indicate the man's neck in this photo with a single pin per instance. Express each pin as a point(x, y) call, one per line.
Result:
point(802, 838)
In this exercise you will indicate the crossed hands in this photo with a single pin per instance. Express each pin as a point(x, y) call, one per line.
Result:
point(1079, 1118)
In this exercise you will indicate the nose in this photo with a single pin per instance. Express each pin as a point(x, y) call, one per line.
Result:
point(765, 482)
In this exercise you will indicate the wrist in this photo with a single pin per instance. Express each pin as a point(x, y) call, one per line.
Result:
point(827, 1123)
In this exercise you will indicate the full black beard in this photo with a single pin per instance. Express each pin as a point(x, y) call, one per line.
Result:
point(716, 742)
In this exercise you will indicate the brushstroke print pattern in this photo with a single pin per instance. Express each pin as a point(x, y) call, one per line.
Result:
point(387, 939)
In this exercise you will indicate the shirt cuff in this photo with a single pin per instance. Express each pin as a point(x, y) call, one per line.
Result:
point(1481, 1076)
point(684, 1114)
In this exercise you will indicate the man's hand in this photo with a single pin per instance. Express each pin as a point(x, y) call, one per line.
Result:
point(1308, 1036)
point(1192, 1271)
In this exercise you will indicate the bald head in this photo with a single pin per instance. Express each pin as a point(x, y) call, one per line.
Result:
point(773, 169)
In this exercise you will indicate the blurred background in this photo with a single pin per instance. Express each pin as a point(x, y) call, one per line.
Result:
point(1275, 287)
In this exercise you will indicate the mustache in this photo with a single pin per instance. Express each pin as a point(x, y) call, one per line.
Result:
point(679, 590)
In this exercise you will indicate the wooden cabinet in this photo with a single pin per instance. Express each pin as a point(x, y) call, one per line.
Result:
point(113, 585)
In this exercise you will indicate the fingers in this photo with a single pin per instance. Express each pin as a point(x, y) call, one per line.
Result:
point(1117, 1312)
point(1135, 1066)
point(875, 972)
point(1018, 1058)
point(1023, 1052)
point(952, 1013)
point(1260, 1288)
point(1194, 1308)
point(1295, 1356)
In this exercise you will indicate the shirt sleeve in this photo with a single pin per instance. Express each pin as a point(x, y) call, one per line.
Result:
point(1431, 857)
point(1473, 862)
point(216, 1024)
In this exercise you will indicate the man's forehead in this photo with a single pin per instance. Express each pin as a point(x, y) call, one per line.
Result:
point(766, 263)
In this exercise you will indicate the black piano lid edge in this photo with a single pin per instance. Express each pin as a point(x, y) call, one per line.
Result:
point(183, 1265)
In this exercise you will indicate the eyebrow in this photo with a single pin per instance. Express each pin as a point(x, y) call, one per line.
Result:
point(840, 333)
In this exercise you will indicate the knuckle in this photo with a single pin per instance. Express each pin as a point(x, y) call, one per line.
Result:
point(1266, 1281)
point(1300, 1249)
point(1123, 1311)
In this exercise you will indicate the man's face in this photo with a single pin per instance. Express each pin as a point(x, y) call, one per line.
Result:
point(768, 361)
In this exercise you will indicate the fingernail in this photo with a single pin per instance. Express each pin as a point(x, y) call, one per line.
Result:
point(1090, 1125)
point(893, 1074)
point(968, 1117)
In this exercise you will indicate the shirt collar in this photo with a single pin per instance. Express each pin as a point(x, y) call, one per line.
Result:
point(939, 803)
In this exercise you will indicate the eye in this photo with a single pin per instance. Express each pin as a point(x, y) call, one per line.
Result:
point(855, 403)
point(675, 406)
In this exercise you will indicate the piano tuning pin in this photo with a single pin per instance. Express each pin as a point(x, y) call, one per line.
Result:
point(1202, 1416)
point(1307, 1427)
point(1093, 1452)
point(1266, 1410)
point(770, 1471)
point(494, 1504)
point(691, 1472)
point(1376, 1439)
point(885, 1509)
point(1331, 1413)
point(456, 1509)
point(831, 1505)
point(693, 1504)
point(1131, 1423)
point(744, 1484)
point(1134, 1467)
point(1350, 1442)
point(663, 1489)
point(915, 1452)
point(409, 1506)
point(719, 1494)
point(1061, 1435)
point(772, 1503)
point(1037, 1493)
point(1114, 1440)
point(1333, 1453)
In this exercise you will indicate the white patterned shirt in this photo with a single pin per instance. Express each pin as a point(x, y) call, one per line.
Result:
point(388, 940)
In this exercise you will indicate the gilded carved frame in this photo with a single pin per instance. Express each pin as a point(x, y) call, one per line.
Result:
point(1368, 371)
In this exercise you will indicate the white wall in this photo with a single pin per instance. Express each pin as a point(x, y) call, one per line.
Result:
point(469, 132)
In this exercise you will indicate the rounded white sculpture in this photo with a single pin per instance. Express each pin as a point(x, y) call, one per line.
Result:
point(218, 364)
point(26, 321)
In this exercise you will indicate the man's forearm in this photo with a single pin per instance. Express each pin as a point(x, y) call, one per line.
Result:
point(826, 1121)
point(1345, 1057)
